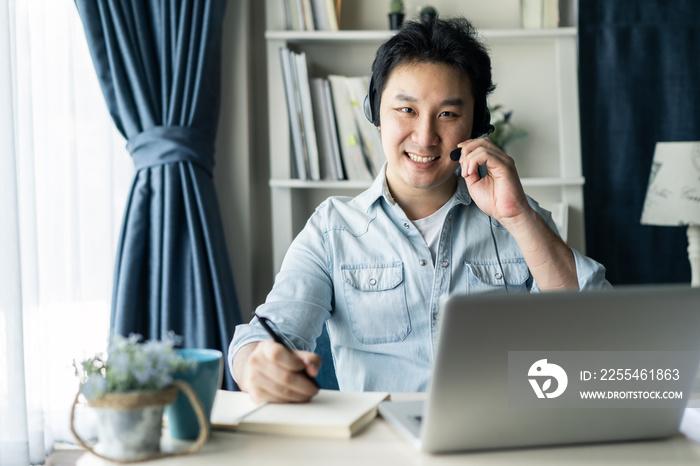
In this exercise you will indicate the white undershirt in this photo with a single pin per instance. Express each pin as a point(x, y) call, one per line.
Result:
point(430, 227)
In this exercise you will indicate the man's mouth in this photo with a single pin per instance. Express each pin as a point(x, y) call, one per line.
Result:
point(420, 159)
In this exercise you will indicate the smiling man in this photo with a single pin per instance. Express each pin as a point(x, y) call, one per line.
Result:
point(373, 268)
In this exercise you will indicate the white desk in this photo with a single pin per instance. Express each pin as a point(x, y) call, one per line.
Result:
point(379, 444)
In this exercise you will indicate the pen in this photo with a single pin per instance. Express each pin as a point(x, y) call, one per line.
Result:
point(266, 323)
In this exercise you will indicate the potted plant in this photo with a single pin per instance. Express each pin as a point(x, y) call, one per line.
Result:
point(129, 387)
point(427, 14)
point(504, 131)
point(396, 14)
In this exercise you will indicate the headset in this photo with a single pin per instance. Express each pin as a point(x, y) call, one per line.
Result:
point(482, 127)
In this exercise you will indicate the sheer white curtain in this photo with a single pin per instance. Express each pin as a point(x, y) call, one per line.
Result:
point(64, 178)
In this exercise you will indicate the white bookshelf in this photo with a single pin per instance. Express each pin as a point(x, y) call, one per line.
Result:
point(535, 72)
point(359, 36)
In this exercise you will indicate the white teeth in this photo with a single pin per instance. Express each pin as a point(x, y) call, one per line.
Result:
point(416, 158)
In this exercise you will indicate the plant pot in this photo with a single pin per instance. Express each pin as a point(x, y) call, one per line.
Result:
point(395, 21)
point(129, 424)
point(427, 17)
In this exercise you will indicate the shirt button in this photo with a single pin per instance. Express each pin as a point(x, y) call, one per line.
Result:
point(406, 225)
point(498, 276)
point(445, 263)
point(372, 281)
point(423, 262)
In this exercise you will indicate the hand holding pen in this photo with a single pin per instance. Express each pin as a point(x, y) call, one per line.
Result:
point(279, 338)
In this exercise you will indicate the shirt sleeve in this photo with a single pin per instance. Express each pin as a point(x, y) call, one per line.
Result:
point(591, 274)
point(301, 297)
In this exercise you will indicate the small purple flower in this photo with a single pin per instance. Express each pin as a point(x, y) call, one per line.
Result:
point(94, 387)
point(132, 365)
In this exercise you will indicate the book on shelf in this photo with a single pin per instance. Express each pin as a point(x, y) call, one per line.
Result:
point(326, 131)
point(308, 130)
point(320, 18)
point(333, 127)
point(357, 166)
point(538, 14)
point(288, 20)
point(294, 112)
point(333, 14)
point(311, 15)
point(330, 414)
point(297, 9)
point(308, 13)
point(531, 12)
point(331, 137)
point(550, 14)
point(370, 139)
point(301, 118)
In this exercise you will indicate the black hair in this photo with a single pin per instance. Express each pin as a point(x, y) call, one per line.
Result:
point(452, 41)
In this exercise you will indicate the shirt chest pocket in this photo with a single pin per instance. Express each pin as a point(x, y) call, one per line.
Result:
point(487, 276)
point(375, 298)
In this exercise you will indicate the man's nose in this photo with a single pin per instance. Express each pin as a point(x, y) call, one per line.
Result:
point(424, 133)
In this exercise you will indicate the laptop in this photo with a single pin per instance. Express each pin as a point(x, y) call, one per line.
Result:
point(525, 370)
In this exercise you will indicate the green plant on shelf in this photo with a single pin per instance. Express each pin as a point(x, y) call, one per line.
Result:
point(504, 131)
point(428, 13)
point(396, 6)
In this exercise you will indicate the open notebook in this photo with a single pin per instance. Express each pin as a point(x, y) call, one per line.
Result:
point(330, 413)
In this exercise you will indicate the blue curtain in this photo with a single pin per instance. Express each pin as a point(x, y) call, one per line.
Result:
point(158, 63)
point(639, 71)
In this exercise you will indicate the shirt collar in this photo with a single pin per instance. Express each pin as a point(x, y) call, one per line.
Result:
point(380, 189)
point(462, 196)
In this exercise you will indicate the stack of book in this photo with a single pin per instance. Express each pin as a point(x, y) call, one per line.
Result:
point(311, 15)
point(331, 137)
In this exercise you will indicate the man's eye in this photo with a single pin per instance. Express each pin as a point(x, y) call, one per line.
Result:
point(448, 114)
point(406, 109)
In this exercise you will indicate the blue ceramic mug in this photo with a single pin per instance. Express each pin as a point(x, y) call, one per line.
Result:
point(205, 380)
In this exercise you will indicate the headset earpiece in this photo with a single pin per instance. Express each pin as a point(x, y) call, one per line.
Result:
point(368, 104)
point(367, 107)
point(484, 127)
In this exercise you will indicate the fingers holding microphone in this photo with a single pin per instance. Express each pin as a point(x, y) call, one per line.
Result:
point(482, 151)
point(497, 189)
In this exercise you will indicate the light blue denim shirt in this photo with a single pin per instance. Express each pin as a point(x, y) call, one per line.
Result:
point(362, 268)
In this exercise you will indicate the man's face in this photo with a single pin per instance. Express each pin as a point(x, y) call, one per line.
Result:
point(426, 110)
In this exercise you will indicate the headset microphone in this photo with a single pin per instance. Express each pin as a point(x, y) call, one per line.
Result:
point(455, 154)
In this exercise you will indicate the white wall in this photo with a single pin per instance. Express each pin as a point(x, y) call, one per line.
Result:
point(241, 171)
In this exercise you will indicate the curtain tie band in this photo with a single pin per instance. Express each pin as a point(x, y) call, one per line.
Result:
point(169, 144)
